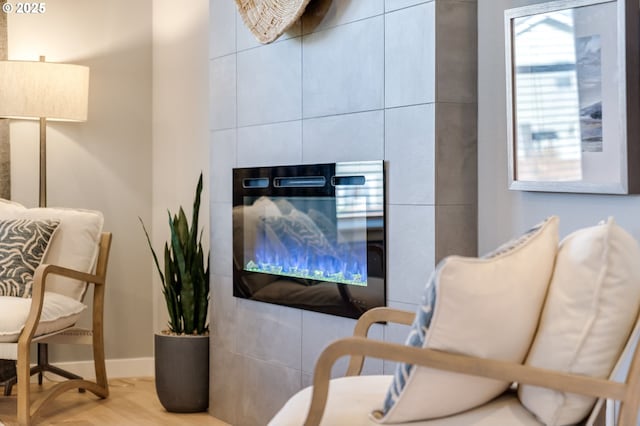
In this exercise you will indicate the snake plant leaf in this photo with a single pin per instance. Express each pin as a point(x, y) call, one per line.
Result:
point(181, 228)
point(153, 252)
point(195, 214)
point(167, 289)
point(178, 227)
point(171, 290)
point(201, 290)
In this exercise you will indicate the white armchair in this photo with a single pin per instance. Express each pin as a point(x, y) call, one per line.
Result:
point(74, 253)
point(583, 334)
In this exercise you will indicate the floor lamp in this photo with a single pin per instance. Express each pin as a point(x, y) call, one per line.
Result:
point(44, 91)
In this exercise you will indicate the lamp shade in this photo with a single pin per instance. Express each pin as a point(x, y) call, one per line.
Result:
point(44, 90)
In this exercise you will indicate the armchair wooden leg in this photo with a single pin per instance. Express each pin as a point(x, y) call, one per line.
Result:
point(23, 371)
point(99, 362)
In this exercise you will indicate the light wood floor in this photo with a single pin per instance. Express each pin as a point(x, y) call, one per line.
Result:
point(131, 402)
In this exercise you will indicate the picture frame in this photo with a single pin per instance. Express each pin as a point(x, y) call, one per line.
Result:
point(573, 96)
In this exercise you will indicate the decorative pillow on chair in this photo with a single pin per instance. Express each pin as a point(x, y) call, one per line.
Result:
point(486, 307)
point(590, 311)
point(23, 244)
point(75, 246)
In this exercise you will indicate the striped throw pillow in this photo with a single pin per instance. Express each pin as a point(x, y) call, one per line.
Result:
point(23, 244)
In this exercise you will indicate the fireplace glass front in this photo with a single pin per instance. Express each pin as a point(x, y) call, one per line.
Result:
point(311, 236)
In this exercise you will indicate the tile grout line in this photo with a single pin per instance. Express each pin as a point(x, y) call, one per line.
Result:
point(384, 158)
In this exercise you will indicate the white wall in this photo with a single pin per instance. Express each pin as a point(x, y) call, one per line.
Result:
point(503, 213)
point(180, 120)
point(142, 148)
point(103, 164)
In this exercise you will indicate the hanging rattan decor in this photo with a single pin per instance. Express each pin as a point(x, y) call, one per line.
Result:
point(268, 19)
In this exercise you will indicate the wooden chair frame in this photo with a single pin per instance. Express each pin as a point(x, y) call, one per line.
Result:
point(359, 347)
point(28, 410)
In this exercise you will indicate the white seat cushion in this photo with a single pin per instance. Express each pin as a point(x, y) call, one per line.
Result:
point(352, 399)
point(75, 244)
point(58, 313)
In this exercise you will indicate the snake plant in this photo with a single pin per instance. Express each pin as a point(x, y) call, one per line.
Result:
point(185, 281)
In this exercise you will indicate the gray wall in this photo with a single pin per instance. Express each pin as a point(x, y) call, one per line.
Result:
point(354, 80)
point(503, 213)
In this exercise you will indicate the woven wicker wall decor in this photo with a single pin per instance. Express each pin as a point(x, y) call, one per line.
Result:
point(269, 19)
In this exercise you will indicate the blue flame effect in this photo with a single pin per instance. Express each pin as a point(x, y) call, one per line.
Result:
point(348, 266)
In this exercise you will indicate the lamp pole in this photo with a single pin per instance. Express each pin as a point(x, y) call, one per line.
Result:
point(43, 159)
point(43, 162)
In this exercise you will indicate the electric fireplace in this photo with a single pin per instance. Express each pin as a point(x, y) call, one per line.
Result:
point(311, 236)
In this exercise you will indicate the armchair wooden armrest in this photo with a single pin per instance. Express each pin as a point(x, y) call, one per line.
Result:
point(39, 288)
point(26, 410)
point(359, 347)
point(373, 316)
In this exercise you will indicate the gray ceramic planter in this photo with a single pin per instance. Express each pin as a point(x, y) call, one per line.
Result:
point(182, 372)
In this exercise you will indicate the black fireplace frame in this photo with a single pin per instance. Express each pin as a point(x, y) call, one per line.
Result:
point(311, 180)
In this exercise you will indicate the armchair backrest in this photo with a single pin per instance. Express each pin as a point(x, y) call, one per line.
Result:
point(74, 245)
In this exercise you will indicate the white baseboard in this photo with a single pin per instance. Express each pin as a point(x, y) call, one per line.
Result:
point(116, 368)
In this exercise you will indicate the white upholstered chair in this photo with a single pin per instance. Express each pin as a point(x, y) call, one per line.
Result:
point(463, 363)
point(74, 254)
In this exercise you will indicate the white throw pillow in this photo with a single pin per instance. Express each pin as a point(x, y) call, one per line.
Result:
point(58, 312)
point(487, 307)
point(590, 311)
point(75, 244)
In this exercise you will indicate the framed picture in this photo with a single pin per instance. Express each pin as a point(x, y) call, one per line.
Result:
point(573, 97)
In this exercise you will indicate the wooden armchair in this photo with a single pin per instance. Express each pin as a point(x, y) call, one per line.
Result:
point(559, 322)
point(77, 256)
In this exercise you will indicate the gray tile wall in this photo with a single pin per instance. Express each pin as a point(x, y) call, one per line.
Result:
point(352, 80)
